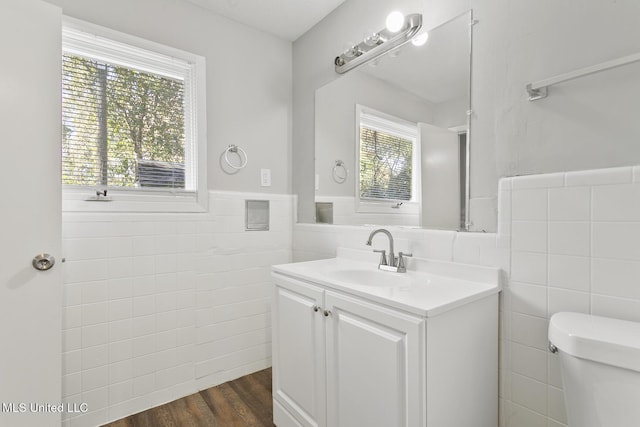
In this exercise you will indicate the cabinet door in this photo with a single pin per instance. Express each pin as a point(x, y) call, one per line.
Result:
point(298, 352)
point(375, 365)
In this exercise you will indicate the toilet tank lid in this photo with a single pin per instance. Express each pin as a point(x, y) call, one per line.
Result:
point(601, 339)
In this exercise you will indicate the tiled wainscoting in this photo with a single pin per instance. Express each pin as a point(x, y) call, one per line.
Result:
point(317, 241)
point(575, 241)
point(158, 306)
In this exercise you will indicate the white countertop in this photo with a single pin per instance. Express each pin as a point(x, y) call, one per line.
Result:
point(427, 289)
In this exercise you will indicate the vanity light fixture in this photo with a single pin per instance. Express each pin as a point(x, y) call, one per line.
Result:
point(420, 39)
point(400, 29)
point(394, 21)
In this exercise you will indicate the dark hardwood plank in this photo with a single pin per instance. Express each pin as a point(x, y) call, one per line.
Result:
point(228, 407)
point(190, 411)
point(244, 402)
point(256, 397)
point(125, 422)
point(161, 416)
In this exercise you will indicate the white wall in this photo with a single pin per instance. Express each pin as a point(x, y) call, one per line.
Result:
point(514, 43)
point(248, 80)
point(158, 306)
point(451, 113)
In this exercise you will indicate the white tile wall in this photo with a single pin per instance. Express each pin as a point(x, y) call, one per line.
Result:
point(316, 241)
point(574, 247)
point(158, 306)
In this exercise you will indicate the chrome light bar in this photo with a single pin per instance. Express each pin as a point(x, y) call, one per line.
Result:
point(378, 44)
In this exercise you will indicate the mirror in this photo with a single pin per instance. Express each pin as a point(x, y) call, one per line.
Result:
point(414, 95)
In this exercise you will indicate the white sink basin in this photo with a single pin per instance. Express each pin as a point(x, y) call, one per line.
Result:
point(369, 277)
point(427, 288)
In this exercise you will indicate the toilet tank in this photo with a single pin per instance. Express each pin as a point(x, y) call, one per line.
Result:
point(600, 363)
point(600, 339)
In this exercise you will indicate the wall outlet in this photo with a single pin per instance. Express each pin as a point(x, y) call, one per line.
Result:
point(265, 177)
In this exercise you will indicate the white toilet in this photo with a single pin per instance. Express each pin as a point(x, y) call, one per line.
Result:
point(600, 363)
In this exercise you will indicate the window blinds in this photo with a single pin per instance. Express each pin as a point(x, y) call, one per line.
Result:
point(386, 159)
point(123, 125)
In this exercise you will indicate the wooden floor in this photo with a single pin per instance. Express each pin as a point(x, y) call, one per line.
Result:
point(245, 402)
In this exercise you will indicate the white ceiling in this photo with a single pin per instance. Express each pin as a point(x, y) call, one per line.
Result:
point(287, 19)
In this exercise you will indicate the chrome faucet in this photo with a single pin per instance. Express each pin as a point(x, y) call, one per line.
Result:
point(383, 260)
point(393, 263)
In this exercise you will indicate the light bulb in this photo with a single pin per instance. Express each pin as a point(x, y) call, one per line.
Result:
point(350, 50)
point(372, 39)
point(420, 39)
point(394, 21)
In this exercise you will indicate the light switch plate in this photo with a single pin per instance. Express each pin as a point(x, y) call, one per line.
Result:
point(265, 177)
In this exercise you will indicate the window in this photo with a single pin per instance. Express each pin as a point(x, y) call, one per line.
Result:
point(388, 159)
point(131, 121)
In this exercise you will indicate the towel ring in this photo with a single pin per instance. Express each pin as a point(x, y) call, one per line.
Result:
point(240, 152)
point(337, 177)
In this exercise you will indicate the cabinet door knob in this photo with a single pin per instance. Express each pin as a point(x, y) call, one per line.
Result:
point(316, 308)
point(326, 313)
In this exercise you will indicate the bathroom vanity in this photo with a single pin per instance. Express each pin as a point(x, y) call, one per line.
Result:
point(357, 346)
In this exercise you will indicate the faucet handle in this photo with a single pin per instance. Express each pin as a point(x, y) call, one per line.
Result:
point(383, 257)
point(401, 267)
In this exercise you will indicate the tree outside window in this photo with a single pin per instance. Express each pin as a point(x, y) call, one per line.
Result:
point(121, 127)
point(386, 162)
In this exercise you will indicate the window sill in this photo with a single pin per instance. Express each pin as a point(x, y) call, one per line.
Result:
point(386, 207)
point(75, 200)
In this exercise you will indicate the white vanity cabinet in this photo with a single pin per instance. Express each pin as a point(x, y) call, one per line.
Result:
point(298, 355)
point(344, 359)
point(341, 361)
point(374, 360)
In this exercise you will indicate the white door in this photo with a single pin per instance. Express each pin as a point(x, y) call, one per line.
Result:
point(375, 365)
point(298, 353)
point(440, 153)
point(30, 214)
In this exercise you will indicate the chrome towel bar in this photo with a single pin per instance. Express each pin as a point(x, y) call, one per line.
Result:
point(538, 90)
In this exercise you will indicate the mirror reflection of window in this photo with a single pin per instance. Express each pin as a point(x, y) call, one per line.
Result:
point(385, 165)
point(422, 85)
point(387, 154)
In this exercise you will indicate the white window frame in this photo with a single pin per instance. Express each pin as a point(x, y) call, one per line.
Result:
point(387, 123)
point(83, 38)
